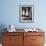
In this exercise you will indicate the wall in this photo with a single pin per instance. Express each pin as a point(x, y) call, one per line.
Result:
point(10, 13)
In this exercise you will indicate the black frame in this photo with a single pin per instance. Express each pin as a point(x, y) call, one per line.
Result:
point(26, 13)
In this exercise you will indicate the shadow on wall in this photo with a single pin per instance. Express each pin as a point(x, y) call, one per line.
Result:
point(2, 26)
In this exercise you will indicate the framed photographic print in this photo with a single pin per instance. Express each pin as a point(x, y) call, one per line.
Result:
point(26, 13)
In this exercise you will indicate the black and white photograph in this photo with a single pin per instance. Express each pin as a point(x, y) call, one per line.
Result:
point(26, 13)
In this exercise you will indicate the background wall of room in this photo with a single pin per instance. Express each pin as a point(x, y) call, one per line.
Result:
point(9, 10)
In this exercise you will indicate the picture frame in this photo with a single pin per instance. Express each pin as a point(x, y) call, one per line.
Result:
point(26, 13)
